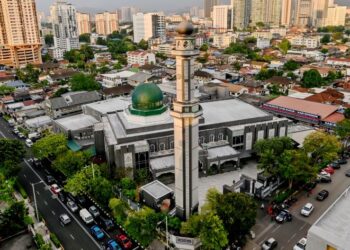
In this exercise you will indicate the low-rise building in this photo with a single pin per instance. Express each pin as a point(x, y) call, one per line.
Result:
point(310, 42)
point(344, 62)
point(140, 58)
point(262, 43)
point(223, 40)
point(116, 79)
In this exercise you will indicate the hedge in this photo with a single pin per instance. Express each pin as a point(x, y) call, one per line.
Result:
point(20, 189)
point(55, 240)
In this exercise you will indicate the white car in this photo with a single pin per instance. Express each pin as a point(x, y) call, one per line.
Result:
point(307, 209)
point(301, 245)
point(29, 143)
point(64, 219)
point(269, 244)
point(324, 173)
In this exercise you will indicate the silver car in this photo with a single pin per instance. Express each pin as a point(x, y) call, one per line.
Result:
point(64, 219)
point(94, 211)
point(72, 206)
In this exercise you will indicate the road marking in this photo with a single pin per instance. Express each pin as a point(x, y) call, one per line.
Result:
point(53, 212)
point(291, 238)
point(302, 227)
point(46, 203)
point(71, 235)
point(25, 176)
point(73, 216)
point(276, 229)
point(265, 230)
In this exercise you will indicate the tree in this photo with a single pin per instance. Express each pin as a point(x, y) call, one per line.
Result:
point(337, 36)
point(87, 52)
point(141, 225)
point(101, 189)
point(101, 41)
point(81, 81)
point(269, 151)
point(236, 66)
point(70, 162)
point(28, 74)
point(311, 79)
point(12, 219)
point(284, 46)
point(49, 40)
point(84, 38)
point(119, 210)
point(265, 74)
point(47, 57)
point(143, 44)
point(321, 146)
point(260, 24)
point(343, 128)
point(204, 47)
point(291, 65)
point(347, 32)
point(5, 90)
point(347, 113)
point(60, 92)
point(11, 154)
point(294, 166)
point(161, 56)
point(50, 146)
point(325, 39)
point(250, 40)
point(324, 51)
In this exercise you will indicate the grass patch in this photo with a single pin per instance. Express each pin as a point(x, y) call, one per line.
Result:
point(55, 240)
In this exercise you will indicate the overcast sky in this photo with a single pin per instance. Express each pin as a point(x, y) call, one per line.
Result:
point(147, 5)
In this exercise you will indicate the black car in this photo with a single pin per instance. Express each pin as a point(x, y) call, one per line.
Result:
point(347, 173)
point(106, 223)
point(342, 161)
point(334, 165)
point(81, 200)
point(322, 195)
point(50, 180)
point(62, 196)
point(283, 216)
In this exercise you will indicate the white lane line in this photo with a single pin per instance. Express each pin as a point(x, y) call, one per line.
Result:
point(25, 176)
point(73, 216)
point(37, 192)
point(71, 235)
point(46, 203)
point(2, 134)
point(291, 238)
point(53, 212)
point(302, 227)
point(276, 229)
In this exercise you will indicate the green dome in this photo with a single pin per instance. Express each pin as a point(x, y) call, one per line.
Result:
point(147, 99)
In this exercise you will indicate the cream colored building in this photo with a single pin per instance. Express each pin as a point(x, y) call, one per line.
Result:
point(336, 15)
point(19, 33)
point(241, 13)
point(208, 7)
point(222, 17)
point(106, 23)
point(304, 13)
point(83, 22)
point(222, 41)
point(286, 13)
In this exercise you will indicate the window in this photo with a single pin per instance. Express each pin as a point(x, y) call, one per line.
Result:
point(171, 144)
point(220, 136)
point(237, 140)
point(152, 148)
point(211, 138)
point(201, 140)
point(161, 147)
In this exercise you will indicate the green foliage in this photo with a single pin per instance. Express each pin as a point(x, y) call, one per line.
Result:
point(347, 32)
point(291, 65)
point(265, 74)
point(143, 45)
point(204, 47)
point(60, 92)
point(28, 74)
point(284, 46)
point(282, 196)
point(46, 58)
point(101, 189)
point(260, 24)
point(142, 176)
point(5, 90)
point(39, 241)
point(119, 210)
point(324, 51)
point(238, 47)
point(311, 79)
point(70, 162)
point(322, 147)
point(343, 128)
point(250, 40)
point(101, 41)
point(84, 38)
point(6, 188)
point(12, 219)
point(81, 82)
point(79, 56)
point(28, 220)
point(128, 187)
point(55, 240)
point(20, 189)
point(331, 29)
point(11, 154)
point(50, 146)
point(141, 225)
point(325, 39)
point(174, 223)
point(213, 234)
point(203, 59)
point(236, 66)
point(49, 40)
point(337, 36)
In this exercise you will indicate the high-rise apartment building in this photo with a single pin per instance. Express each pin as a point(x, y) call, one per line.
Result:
point(336, 16)
point(150, 25)
point(127, 14)
point(19, 33)
point(273, 12)
point(106, 23)
point(319, 11)
point(83, 22)
point(258, 12)
point(304, 13)
point(222, 17)
point(64, 23)
point(241, 13)
point(287, 13)
point(208, 7)
point(194, 11)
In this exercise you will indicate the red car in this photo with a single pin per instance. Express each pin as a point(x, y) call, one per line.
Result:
point(329, 170)
point(124, 241)
point(55, 188)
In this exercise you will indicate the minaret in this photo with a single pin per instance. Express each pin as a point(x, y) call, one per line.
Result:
point(186, 112)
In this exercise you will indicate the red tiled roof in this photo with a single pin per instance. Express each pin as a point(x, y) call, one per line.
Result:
point(28, 103)
point(328, 96)
point(323, 110)
point(334, 118)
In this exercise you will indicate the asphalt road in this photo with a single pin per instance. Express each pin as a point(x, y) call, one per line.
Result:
point(289, 233)
point(74, 236)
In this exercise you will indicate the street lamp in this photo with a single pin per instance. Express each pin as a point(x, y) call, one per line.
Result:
point(166, 230)
point(35, 204)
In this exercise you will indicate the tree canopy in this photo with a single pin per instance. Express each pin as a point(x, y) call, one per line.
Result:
point(85, 38)
point(70, 162)
point(5, 90)
point(312, 78)
point(291, 65)
point(49, 40)
point(325, 39)
point(284, 46)
point(50, 146)
point(12, 219)
point(81, 81)
point(11, 154)
point(119, 210)
point(28, 74)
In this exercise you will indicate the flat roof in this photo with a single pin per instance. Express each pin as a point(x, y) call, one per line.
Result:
point(109, 105)
point(320, 109)
point(122, 74)
point(334, 225)
point(76, 122)
point(156, 189)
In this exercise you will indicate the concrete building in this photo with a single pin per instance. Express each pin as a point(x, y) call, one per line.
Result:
point(83, 23)
point(319, 12)
point(106, 23)
point(287, 13)
point(208, 7)
point(224, 40)
point(127, 14)
point(262, 43)
point(310, 42)
point(258, 13)
point(65, 28)
point(331, 231)
point(147, 26)
point(304, 13)
point(222, 18)
point(336, 15)
point(19, 33)
point(241, 13)
point(266, 11)
point(140, 58)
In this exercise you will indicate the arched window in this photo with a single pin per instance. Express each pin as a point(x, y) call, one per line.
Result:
point(211, 138)
point(161, 147)
point(201, 140)
point(152, 148)
point(220, 136)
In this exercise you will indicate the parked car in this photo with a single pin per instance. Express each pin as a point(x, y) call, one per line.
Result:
point(72, 206)
point(323, 194)
point(342, 161)
point(307, 209)
point(29, 143)
point(113, 245)
point(269, 244)
point(81, 199)
point(334, 165)
point(311, 185)
point(106, 223)
point(328, 170)
point(15, 131)
point(97, 232)
point(64, 219)
point(301, 245)
point(347, 173)
point(324, 178)
point(283, 216)
point(86, 216)
point(50, 180)
point(55, 188)
point(124, 241)
point(62, 196)
point(21, 135)
point(94, 211)
point(36, 162)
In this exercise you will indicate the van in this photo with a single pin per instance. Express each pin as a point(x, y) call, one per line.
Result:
point(33, 136)
point(86, 216)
